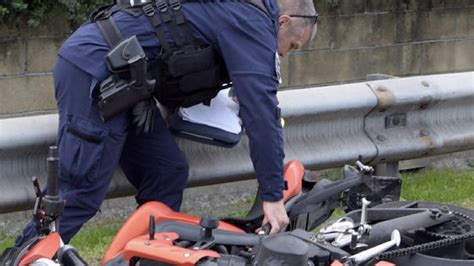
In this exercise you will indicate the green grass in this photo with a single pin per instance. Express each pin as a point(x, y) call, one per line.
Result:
point(94, 239)
point(6, 243)
point(243, 207)
point(446, 185)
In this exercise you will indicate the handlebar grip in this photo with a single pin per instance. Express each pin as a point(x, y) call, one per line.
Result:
point(53, 172)
point(265, 229)
point(69, 256)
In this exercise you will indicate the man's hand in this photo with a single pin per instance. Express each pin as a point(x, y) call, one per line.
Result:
point(275, 214)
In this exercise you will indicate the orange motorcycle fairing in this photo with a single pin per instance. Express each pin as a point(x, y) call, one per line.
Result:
point(137, 225)
point(293, 175)
point(162, 249)
point(45, 248)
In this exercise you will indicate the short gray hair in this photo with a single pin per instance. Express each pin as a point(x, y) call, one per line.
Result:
point(299, 7)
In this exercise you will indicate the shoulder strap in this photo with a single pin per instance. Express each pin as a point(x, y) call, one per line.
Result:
point(113, 35)
point(261, 5)
point(110, 31)
point(149, 11)
point(165, 9)
point(181, 22)
point(257, 3)
point(103, 18)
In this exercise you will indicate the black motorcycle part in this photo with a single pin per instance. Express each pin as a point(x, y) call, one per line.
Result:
point(320, 251)
point(52, 203)
point(192, 233)
point(69, 256)
point(53, 172)
point(425, 260)
point(312, 208)
point(381, 231)
point(321, 208)
point(252, 220)
point(208, 224)
point(282, 249)
point(7, 255)
point(224, 260)
point(16, 254)
point(376, 189)
point(449, 243)
point(385, 220)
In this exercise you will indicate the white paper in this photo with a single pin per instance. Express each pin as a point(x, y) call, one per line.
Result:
point(223, 113)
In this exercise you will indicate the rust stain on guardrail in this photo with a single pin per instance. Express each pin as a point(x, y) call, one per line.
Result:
point(385, 98)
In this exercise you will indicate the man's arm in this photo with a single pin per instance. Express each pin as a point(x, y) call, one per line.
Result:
point(249, 50)
point(260, 117)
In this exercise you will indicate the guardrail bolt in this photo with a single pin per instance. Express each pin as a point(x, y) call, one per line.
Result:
point(424, 133)
point(381, 138)
point(396, 120)
point(425, 83)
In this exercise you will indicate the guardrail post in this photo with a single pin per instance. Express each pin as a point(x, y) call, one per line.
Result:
point(390, 169)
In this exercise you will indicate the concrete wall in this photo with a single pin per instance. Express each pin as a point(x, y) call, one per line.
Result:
point(358, 37)
point(396, 37)
point(27, 57)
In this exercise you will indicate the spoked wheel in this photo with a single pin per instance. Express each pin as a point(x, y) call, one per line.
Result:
point(450, 243)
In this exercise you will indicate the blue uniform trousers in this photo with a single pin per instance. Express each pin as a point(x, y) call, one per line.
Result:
point(90, 151)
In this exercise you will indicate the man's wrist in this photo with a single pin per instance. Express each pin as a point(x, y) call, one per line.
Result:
point(273, 196)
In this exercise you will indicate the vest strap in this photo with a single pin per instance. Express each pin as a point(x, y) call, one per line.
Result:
point(257, 3)
point(181, 22)
point(110, 31)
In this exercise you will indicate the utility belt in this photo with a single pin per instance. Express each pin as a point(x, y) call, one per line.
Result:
point(187, 71)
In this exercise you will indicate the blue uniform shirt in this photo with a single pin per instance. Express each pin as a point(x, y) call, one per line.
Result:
point(247, 40)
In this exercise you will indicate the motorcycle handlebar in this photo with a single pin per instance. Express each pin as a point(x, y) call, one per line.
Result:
point(53, 162)
point(69, 256)
point(265, 230)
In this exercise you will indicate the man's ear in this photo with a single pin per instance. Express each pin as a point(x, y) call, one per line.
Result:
point(283, 19)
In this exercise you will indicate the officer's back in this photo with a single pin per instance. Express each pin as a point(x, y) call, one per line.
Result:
point(211, 22)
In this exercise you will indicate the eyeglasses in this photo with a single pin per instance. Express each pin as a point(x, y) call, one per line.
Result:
point(314, 18)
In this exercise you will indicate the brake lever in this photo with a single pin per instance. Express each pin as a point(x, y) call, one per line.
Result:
point(38, 213)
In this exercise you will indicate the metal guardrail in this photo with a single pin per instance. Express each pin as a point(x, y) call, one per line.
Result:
point(382, 121)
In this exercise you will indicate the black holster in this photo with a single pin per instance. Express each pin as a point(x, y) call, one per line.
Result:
point(129, 83)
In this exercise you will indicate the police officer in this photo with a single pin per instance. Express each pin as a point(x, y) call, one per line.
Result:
point(247, 35)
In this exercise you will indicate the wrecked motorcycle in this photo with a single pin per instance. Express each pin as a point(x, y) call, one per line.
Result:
point(374, 231)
